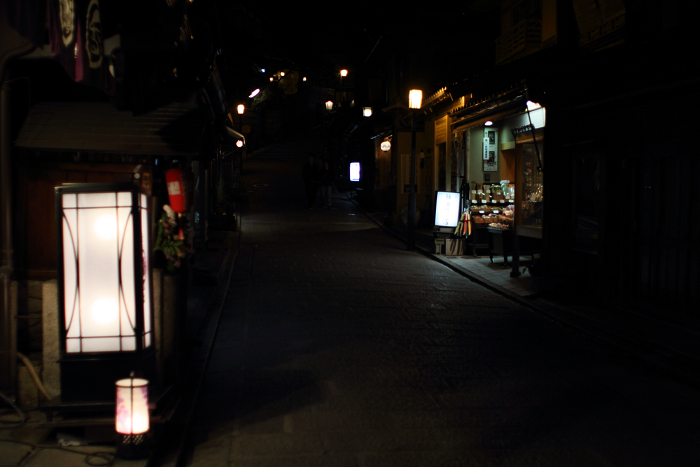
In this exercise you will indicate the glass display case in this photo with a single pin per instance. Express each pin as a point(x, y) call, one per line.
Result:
point(491, 206)
point(530, 193)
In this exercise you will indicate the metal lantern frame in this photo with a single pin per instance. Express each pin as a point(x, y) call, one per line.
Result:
point(90, 362)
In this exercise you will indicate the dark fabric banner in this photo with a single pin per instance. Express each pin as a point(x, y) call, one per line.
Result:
point(75, 36)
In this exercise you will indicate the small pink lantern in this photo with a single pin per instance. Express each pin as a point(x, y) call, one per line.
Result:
point(132, 420)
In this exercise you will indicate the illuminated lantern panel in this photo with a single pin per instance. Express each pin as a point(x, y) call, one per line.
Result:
point(385, 146)
point(132, 416)
point(415, 98)
point(354, 171)
point(106, 280)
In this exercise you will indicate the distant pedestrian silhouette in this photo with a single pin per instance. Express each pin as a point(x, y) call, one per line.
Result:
point(311, 178)
point(326, 181)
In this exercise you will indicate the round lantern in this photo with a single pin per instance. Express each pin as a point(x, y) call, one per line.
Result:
point(180, 189)
point(132, 418)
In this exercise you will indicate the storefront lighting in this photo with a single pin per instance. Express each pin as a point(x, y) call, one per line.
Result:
point(104, 265)
point(415, 98)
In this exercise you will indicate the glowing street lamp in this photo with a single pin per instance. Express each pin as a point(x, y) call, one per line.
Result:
point(367, 111)
point(415, 97)
point(104, 287)
point(343, 74)
point(329, 105)
point(240, 108)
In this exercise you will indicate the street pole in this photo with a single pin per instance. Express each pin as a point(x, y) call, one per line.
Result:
point(415, 97)
point(411, 234)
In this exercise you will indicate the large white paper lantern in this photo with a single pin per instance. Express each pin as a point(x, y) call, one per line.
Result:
point(104, 272)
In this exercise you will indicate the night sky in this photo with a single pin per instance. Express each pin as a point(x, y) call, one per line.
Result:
point(451, 42)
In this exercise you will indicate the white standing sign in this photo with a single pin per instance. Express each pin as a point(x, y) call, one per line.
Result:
point(447, 209)
point(354, 171)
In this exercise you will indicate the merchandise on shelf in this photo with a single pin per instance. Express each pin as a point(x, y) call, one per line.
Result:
point(492, 205)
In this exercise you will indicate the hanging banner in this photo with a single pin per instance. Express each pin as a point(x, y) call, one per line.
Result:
point(490, 150)
point(75, 36)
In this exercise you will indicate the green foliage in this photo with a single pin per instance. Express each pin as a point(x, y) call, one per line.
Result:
point(167, 241)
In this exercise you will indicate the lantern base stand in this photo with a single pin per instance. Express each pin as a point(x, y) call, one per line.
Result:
point(102, 370)
point(133, 446)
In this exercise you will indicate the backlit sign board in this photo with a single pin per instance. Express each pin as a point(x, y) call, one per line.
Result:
point(446, 209)
point(354, 171)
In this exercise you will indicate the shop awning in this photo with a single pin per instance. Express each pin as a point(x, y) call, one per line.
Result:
point(493, 114)
point(172, 130)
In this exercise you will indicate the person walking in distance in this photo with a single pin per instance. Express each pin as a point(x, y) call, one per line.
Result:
point(326, 181)
point(311, 176)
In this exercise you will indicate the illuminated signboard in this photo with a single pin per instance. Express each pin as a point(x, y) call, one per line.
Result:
point(354, 171)
point(446, 209)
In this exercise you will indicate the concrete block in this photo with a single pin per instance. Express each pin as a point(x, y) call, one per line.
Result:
point(34, 289)
point(439, 246)
point(51, 374)
point(27, 392)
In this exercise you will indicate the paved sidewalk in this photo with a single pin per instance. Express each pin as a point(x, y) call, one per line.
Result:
point(669, 346)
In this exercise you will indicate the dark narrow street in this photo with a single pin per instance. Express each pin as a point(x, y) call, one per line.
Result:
point(337, 347)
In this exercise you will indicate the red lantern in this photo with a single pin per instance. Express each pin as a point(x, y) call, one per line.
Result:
point(180, 191)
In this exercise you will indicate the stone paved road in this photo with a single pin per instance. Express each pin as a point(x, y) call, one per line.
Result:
point(339, 348)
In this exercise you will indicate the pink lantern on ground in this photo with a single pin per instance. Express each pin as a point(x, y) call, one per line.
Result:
point(132, 417)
